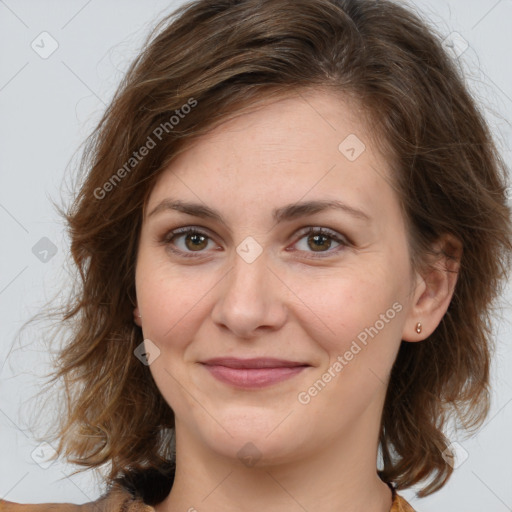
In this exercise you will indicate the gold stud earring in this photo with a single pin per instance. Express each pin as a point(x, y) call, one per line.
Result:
point(418, 327)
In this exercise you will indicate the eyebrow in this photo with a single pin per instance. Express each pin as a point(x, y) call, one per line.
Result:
point(285, 213)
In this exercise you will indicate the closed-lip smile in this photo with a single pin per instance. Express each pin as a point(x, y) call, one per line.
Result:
point(255, 362)
point(254, 372)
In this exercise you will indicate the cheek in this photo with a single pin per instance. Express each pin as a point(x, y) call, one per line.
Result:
point(172, 312)
point(343, 307)
point(359, 335)
point(170, 305)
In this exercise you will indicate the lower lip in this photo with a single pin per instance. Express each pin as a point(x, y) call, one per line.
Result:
point(253, 377)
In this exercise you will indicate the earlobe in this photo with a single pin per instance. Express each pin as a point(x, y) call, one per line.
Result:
point(137, 318)
point(435, 290)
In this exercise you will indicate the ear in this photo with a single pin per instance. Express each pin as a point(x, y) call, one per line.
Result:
point(136, 316)
point(434, 289)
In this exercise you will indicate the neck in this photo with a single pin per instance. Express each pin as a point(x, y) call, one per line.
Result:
point(341, 477)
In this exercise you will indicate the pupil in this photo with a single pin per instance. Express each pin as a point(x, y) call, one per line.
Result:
point(196, 238)
point(316, 239)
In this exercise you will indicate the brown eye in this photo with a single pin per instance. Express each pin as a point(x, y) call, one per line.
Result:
point(186, 241)
point(189, 240)
point(320, 240)
point(195, 241)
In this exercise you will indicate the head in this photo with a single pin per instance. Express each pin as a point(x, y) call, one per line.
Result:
point(246, 107)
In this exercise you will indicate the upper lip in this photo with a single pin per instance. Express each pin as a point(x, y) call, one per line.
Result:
point(257, 362)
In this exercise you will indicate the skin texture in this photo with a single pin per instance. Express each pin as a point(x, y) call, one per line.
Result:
point(292, 302)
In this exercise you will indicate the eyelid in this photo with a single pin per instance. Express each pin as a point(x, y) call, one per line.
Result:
point(343, 241)
point(316, 229)
point(184, 230)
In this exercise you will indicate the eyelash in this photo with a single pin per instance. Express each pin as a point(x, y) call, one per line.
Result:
point(333, 235)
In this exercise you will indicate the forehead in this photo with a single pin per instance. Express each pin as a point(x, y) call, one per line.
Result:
point(309, 145)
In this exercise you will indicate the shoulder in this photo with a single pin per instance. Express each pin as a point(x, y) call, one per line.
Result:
point(400, 505)
point(116, 499)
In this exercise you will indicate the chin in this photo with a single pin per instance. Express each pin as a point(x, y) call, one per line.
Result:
point(254, 439)
point(255, 451)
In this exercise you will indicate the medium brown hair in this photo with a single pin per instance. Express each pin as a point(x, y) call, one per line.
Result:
point(218, 56)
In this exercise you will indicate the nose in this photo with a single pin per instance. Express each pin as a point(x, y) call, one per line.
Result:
point(250, 300)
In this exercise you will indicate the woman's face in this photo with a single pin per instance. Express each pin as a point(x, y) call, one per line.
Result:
point(256, 285)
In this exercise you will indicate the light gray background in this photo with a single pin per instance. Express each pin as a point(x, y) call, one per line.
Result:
point(49, 105)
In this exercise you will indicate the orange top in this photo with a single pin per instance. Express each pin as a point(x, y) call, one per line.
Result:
point(119, 499)
point(399, 505)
